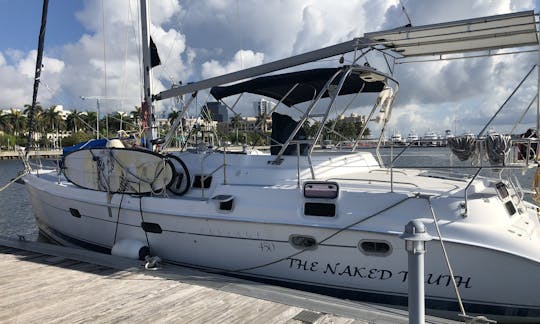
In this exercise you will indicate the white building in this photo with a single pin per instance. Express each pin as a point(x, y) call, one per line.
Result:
point(263, 106)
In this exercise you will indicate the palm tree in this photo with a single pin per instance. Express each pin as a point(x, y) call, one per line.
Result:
point(118, 121)
point(38, 117)
point(235, 123)
point(52, 119)
point(74, 120)
point(136, 115)
point(5, 125)
point(262, 121)
point(172, 116)
point(38, 110)
point(17, 120)
point(90, 120)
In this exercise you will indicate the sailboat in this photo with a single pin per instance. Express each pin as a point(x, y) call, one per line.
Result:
point(322, 221)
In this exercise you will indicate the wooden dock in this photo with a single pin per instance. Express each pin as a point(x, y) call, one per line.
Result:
point(43, 283)
point(45, 154)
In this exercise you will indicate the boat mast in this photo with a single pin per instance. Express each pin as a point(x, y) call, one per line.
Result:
point(147, 108)
point(538, 94)
point(37, 76)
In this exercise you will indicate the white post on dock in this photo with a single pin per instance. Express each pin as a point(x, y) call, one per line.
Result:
point(415, 237)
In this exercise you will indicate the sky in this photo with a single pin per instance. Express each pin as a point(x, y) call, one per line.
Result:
point(91, 51)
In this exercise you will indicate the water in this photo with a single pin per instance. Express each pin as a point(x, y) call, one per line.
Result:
point(16, 216)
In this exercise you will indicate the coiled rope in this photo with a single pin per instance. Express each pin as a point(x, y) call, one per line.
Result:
point(494, 149)
point(498, 147)
point(152, 262)
point(463, 147)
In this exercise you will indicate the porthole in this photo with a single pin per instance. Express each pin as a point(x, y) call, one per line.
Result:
point(303, 242)
point(375, 247)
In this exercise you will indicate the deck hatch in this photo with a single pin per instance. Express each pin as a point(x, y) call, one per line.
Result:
point(199, 183)
point(329, 190)
point(225, 202)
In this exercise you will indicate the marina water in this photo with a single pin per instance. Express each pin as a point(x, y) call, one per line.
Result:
point(16, 216)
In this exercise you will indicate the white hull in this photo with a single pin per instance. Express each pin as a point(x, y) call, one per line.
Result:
point(254, 239)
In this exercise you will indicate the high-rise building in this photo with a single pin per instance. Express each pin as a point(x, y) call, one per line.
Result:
point(219, 111)
point(263, 106)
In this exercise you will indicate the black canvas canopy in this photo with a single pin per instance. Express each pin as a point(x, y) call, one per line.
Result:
point(310, 82)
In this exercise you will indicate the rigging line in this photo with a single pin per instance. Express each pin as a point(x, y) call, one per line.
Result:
point(149, 182)
point(104, 47)
point(240, 33)
point(138, 34)
point(62, 98)
point(13, 181)
point(446, 256)
point(142, 219)
point(99, 168)
point(118, 218)
point(328, 237)
point(405, 12)
point(123, 85)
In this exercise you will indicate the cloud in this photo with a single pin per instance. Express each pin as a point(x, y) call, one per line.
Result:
point(242, 59)
point(107, 65)
point(205, 38)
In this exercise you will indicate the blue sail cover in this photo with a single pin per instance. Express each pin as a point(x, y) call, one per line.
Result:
point(94, 143)
point(310, 82)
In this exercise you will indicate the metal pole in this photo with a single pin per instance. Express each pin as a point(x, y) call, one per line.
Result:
point(147, 72)
point(538, 97)
point(37, 77)
point(97, 119)
point(415, 237)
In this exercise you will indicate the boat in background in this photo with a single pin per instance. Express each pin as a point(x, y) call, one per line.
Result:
point(412, 138)
point(469, 134)
point(447, 135)
point(396, 138)
point(322, 221)
point(430, 138)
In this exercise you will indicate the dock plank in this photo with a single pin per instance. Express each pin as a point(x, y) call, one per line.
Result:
point(45, 284)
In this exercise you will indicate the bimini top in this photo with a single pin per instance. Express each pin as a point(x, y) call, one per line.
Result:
point(310, 83)
point(471, 35)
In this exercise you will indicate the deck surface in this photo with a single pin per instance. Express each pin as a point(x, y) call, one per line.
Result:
point(43, 283)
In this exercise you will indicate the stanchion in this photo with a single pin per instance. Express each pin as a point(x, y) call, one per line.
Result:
point(415, 237)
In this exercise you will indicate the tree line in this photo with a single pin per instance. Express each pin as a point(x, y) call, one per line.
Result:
point(82, 127)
